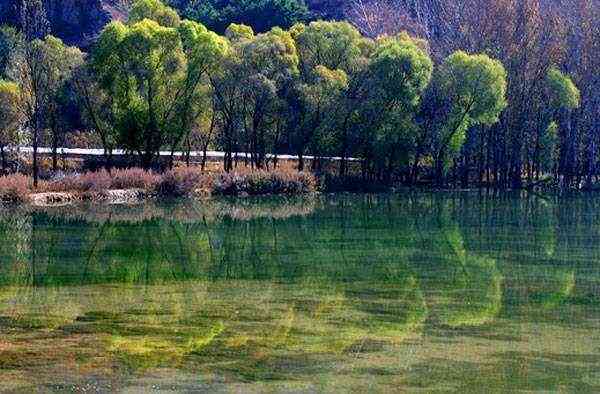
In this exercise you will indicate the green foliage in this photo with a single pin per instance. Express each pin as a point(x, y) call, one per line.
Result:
point(204, 49)
point(10, 113)
point(248, 89)
point(154, 10)
point(563, 92)
point(145, 60)
point(548, 144)
point(335, 45)
point(474, 89)
point(42, 69)
point(10, 40)
point(237, 32)
point(154, 75)
point(331, 79)
point(401, 69)
point(261, 15)
point(271, 54)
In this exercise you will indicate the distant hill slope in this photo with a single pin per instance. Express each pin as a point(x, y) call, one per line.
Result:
point(77, 22)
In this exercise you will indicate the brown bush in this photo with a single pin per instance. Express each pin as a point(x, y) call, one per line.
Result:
point(177, 182)
point(134, 178)
point(184, 181)
point(14, 188)
point(279, 181)
point(96, 182)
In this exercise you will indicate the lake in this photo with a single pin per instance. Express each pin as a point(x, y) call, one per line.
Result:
point(440, 292)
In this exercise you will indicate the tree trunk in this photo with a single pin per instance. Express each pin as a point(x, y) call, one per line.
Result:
point(3, 154)
point(414, 175)
point(203, 164)
point(35, 154)
point(300, 161)
point(187, 154)
point(54, 153)
point(439, 168)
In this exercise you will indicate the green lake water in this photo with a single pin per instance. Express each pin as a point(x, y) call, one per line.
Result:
point(347, 293)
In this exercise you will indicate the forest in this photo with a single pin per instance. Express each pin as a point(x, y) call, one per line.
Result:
point(496, 93)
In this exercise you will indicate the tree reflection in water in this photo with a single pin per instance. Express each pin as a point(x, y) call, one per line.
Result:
point(317, 293)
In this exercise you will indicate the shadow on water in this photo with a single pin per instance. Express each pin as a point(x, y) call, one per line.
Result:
point(339, 292)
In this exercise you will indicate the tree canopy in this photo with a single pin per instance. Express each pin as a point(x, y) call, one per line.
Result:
point(261, 15)
point(152, 72)
point(474, 91)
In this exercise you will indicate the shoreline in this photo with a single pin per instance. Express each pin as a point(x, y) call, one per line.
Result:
point(112, 196)
point(140, 196)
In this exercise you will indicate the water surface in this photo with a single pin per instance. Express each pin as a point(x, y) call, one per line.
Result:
point(364, 293)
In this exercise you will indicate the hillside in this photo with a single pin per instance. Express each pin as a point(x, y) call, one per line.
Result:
point(77, 22)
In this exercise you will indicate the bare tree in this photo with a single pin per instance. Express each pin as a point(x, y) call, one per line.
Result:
point(376, 18)
point(34, 22)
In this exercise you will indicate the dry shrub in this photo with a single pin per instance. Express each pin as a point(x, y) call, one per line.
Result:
point(14, 188)
point(70, 165)
point(264, 182)
point(183, 181)
point(134, 178)
point(101, 181)
point(95, 182)
point(177, 182)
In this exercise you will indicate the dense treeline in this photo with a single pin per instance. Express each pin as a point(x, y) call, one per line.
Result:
point(530, 38)
point(495, 103)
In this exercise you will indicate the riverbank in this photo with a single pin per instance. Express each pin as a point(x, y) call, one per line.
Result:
point(132, 185)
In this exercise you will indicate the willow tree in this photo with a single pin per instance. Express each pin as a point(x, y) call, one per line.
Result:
point(269, 62)
point(154, 10)
point(312, 107)
point(153, 74)
point(400, 70)
point(41, 69)
point(248, 90)
point(339, 48)
point(563, 96)
point(472, 89)
point(10, 117)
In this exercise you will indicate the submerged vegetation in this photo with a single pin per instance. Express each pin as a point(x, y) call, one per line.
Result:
point(357, 291)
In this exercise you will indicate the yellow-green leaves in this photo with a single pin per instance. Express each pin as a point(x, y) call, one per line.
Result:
point(563, 92)
point(272, 54)
point(402, 69)
point(152, 50)
point(154, 10)
point(237, 32)
point(331, 44)
point(475, 86)
point(9, 111)
point(204, 49)
point(8, 90)
point(336, 79)
point(324, 91)
point(472, 90)
point(153, 68)
point(106, 59)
